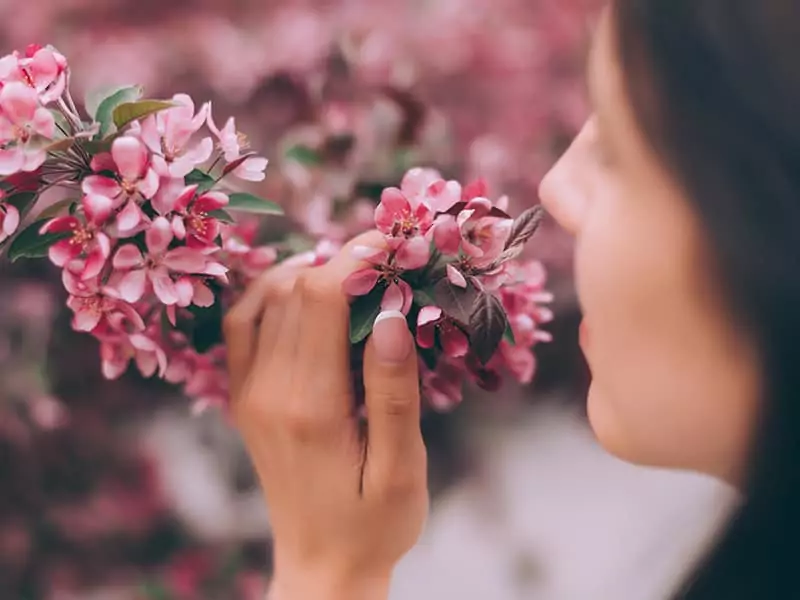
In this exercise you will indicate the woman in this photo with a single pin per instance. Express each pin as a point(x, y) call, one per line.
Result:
point(683, 193)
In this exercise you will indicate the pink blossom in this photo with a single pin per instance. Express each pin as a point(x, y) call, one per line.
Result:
point(230, 141)
point(86, 239)
point(207, 384)
point(9, 218)
point(191, 219)
point(93, 303)
point(249, 261)
point(168, 134)
point(22, 119)
point(442, 386)
point(117, 352)
point(135, 180)
point(252, 169)
point(478, 234)
point(432, 319)
point(43, 69)
point(416, 181)
point(398, 217)
point(161, 266)
point(383, 269)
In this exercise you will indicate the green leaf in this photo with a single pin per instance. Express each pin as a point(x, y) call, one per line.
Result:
point(508, 335)
point(95, 98)
point(253, 204)
point(222, 215)
point(203, 180)
point(31, 244)
point(104, 113)
point(424, 297)
point(487, 324)
point(304, 155)
point(363, 312)
point(22, 201)
point(55, 209)
point(127, 112)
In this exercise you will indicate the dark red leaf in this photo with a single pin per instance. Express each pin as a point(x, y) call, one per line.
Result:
point(496, 212)
point(453, 210)
point(525, 226)
point(236, 163)
point(487, 324)
point(456, 302)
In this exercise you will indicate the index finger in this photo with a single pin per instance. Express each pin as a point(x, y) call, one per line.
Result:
point(318, 320)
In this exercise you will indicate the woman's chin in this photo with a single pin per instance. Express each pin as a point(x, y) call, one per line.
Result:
point(609, 429)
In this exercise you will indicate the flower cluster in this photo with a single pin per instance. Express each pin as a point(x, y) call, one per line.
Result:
point(143, 238)
point(151, 257)
point(450, 264)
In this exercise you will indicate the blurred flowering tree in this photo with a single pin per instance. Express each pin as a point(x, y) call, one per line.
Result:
point(344, 97)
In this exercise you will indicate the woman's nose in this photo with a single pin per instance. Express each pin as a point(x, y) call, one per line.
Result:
point(561, 191)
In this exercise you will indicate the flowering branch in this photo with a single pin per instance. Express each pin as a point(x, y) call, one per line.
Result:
point(151, 255)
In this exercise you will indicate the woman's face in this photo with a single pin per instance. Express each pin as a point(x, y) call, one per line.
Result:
point(674, 383)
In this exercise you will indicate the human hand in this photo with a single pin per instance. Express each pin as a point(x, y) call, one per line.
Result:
point(346, 501)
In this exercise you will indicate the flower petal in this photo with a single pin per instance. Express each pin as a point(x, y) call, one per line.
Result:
point(131, 287)
point(129, 218)
point(18, 102)
point(360, 282)
point(148, 185)
point(398, 296)
point(447, 235)
point(97, 208)
point(185, 260)
point(210, 201)
point(158, 236)
point(101, 186)
point(130, 156)
point(163, 286)
point(11, 160)
point(86, 319)
point(128, 257)
point(428, 314)
point(95, 262)
point(10, 220)
point(394, 206)
point(413, 254)
point(184, 290)
point(454, 342)
point(455, 277)
point(203, 296)
point(62, 252)
point(43, 123)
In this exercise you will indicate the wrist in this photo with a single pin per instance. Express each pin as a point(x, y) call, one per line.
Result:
point(312, 585)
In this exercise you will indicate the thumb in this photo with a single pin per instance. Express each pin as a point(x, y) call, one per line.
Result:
point(391, 383)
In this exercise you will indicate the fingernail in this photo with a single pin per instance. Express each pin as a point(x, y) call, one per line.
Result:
point(391, 338)
point(306, 259)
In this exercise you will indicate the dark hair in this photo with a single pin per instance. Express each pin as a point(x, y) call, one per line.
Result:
point(715, 87)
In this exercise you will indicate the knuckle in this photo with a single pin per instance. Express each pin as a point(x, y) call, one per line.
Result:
point(302, 425)
point(400, 484)
point(318, 288)
point(395, 404)
point(279, 289)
